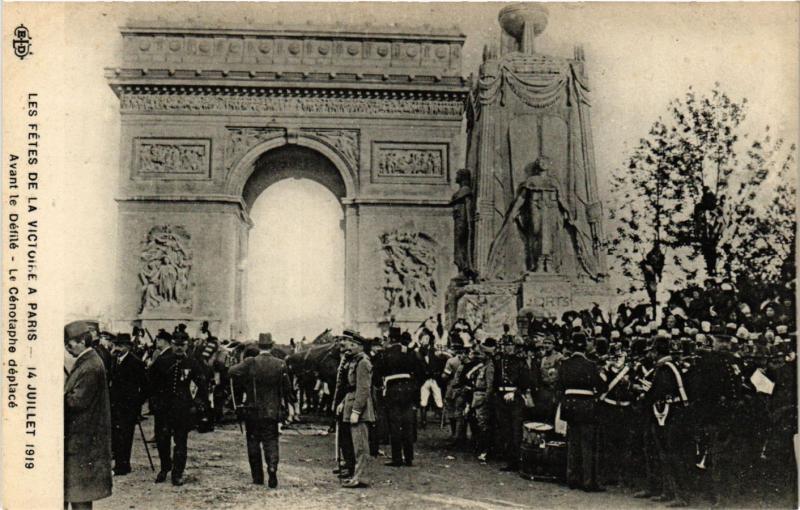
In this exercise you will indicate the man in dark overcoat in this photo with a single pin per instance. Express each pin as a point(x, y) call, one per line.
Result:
point(127, 396)
point(265, 380)
point(87, 423)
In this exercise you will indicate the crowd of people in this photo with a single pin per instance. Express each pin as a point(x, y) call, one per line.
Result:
point(693, 407)
point(696, 407)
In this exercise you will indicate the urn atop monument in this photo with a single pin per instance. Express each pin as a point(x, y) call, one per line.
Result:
point(523, 22)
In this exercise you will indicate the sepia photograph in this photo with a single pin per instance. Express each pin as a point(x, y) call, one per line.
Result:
point(386, 255)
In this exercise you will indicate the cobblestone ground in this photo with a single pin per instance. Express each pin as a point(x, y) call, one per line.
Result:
point(218, 476)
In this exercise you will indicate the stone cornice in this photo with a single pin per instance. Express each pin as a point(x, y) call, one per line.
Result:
point(207, 100)
point(232, 79)
point(396, 50)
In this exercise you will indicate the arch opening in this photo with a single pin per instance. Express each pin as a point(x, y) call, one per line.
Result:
point(295, 256)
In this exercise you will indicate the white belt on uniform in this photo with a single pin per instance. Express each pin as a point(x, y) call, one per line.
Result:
point(586, 393)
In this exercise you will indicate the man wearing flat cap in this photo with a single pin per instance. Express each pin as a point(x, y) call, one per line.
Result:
point(87, 422)
point(127, 397)
point(175, 409)
point(265, 380)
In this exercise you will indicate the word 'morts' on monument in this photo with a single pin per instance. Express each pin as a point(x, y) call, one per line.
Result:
point(213, 116)
point(538, 235)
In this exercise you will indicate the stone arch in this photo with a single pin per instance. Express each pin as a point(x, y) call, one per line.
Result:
point(244, 168)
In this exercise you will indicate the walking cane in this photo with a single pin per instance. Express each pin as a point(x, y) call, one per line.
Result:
point(146, 449)
point(235, 407)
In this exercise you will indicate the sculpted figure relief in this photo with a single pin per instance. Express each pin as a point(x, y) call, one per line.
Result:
point(533, 237)
point(463, 235)
point(166, 263)
point(409, 270)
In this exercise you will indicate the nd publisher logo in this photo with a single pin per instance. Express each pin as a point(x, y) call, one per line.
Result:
point(22, 42)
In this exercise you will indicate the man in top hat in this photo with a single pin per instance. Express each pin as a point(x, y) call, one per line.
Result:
point(127, 397)
point(87, 422)
point(265, 379)
point(175, 408)
point(400, 373)
point(512, 389)
point(358, 406)
point(579, 382)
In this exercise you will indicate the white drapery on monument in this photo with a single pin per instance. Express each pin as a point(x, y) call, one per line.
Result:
point(526, 107)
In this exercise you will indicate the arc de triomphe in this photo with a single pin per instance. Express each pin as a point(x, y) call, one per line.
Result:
point(211, 117)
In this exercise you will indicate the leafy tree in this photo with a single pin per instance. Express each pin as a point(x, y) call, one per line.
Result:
point(690, 190)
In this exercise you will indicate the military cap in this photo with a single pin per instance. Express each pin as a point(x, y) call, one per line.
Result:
point(180, 338)
point(76, 329)
point(163, 335)
point(354, 336)
point(265, 341)
point(489, 344)
point(661, 344)
point(578, 341)
point(122, 339)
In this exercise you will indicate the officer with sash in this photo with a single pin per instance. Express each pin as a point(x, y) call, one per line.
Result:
point(668, 401)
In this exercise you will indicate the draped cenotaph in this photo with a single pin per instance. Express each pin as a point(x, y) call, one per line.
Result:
point(536, 239)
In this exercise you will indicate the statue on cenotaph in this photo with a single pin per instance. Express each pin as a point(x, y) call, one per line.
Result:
point(463, 235)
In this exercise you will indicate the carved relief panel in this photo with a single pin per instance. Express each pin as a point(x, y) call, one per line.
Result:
point(409, 267)
point(409, 162)
point(172, 158)
point(165, 269)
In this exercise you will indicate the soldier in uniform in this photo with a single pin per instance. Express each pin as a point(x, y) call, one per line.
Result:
point(512, 387)
point(265, 379)
point(616, 417)
point(545, 398)
point(398, 372)
point(717, 385)
point(358, 405)
point(579, 382)
point(667, 398)
point(348, 458)
point(175, 408)
point(127, 396)
point(481, 378)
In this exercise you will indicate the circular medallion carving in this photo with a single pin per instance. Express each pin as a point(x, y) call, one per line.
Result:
point(144, 45)
point(174, 45)
point(324, 49)
point(264, 47)
point(294, 48)
point(236, 47)
point(204, 46)
point(352, 50)
point(441, 52)
point(383, 50)
point(412, 51)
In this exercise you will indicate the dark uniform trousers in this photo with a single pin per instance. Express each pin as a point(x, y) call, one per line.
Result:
point(509, 418)
point(169, 430)
point(401, 430)
point(582, 454)
point(262, 433)
point(617, 440)
point(675, 450)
